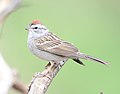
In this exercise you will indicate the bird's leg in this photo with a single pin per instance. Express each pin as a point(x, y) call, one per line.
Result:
point(51, 67)
point(48, 69)
point(48, 65)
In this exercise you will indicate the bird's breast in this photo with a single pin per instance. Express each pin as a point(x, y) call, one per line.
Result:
point(43, 54)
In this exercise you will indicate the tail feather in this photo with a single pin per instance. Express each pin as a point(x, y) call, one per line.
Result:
point(79, 62)
point(97, 60)
point(87, 57)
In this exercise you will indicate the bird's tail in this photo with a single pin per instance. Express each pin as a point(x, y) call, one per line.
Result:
point(87, 57)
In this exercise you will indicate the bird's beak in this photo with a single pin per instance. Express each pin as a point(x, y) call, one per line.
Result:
point(27, 28)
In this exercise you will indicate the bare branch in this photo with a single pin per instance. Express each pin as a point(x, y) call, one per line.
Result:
point(9, 78)
point(7, 7)
point(6, 78)
point(19, 86)
point(42, 80)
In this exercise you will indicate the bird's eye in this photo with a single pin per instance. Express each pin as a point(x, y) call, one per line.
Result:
point(36, 28)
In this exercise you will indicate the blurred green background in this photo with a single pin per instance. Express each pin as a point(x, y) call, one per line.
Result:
point(92, 25)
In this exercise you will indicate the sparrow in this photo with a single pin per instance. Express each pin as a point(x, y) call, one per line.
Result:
point(47, 46)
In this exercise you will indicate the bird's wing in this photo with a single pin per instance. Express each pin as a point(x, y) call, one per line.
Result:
point(55, 45)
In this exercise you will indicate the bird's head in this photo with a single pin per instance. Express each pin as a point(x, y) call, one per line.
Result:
point(36, 27)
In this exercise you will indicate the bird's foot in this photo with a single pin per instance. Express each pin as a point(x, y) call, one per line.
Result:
point(48, 70)
point(48, 65)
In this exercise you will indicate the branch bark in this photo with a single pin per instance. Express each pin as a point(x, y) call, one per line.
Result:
point(8, 77)
point(7, 7)
point(19, 85)
point(41, 80)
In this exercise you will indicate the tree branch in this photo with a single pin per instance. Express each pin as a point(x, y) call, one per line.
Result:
point(7, 7)
point(8, 77)
point(19, 86)
point(42, 80)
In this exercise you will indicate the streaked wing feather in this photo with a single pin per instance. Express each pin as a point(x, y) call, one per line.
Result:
point(57, 47)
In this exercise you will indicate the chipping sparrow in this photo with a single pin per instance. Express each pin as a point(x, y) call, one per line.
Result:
point(48, 46)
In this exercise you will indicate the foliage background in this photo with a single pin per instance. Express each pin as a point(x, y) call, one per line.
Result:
point(92, 25)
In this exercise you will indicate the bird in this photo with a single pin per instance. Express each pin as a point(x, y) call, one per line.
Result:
point(48, 46)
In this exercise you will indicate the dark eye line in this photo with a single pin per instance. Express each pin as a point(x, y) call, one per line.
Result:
point(35, 28)
point(39, 28)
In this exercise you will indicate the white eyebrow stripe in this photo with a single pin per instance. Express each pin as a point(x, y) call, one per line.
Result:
point(43, 28)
